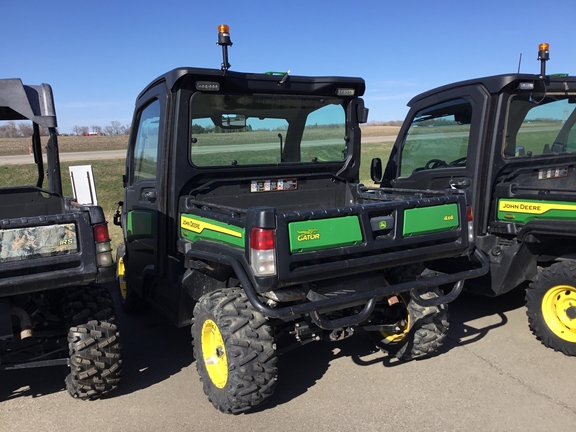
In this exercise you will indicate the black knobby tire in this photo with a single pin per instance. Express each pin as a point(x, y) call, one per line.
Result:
point(246, 373)
point(95, 360)
point(551, 307)
point(424, 333)
point(90, 302)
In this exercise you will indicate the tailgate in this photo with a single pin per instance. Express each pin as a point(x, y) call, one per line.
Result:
point(369, 236)
point(334, 242)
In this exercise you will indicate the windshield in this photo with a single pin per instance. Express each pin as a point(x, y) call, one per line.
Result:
point(540, 124)
point(242, 129)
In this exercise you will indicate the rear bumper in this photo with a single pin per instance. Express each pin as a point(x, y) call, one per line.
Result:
point(369, 297)
point(48, 280)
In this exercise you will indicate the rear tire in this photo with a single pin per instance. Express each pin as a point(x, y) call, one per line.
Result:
point(95, 360)
point(93, 342)
point(551, 307)
point(85, 303)
point(424, 331)
point(234, 350)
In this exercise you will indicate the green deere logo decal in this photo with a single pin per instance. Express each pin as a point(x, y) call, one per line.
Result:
point(309, 234)
point(382, 224)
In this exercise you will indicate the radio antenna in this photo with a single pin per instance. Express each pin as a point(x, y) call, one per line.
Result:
point(519, 62)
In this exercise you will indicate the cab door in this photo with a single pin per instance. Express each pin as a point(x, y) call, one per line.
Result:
point(440, 144)
point(141, 219)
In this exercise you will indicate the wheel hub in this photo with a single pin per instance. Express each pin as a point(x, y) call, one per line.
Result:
point(402, 328)
point(559, 311)
point(571, 312)
point(214, 354)
point(121, 281)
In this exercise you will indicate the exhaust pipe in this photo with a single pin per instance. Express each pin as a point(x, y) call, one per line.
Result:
point(25, 322)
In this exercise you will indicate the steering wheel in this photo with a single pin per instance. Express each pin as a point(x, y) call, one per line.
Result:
point(458, 162)
point(435, 163)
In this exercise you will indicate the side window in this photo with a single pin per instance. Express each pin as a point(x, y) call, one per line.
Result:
point(324, 133)
point(571, 142)
point(438, 138)
point(146, 145)
point(540, 124)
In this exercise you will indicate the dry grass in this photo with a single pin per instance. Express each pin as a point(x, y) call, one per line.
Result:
point(18, 146)
point(374, 131)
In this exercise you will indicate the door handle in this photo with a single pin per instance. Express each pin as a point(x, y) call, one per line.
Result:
point(150, 195)
point(458, 184)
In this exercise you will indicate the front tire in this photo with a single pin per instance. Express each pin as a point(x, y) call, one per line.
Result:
point(423, 331)
point(551, 307)
point(234, 350)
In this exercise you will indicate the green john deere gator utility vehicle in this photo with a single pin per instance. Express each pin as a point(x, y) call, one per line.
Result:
point(243, 216)
point(509, 143)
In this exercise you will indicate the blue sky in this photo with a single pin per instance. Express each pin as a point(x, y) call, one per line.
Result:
point(98, 55)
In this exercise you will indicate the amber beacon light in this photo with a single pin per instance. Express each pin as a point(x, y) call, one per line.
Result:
point(224, 41)
point(543, 56)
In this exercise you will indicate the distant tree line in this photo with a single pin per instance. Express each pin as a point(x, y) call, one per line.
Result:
point(12, 129)
point(22, 129)
point(115, 128)
point(197, 129)
point(384, 123)
point(543, 120)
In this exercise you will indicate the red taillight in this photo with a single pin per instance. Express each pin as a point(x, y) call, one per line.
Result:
point(262, 239)
point(102, 245)
point(263, 251)
point(101, 233)
point(469, 213)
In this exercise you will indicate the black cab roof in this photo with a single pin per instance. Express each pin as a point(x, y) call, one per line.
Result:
point(27, 102)
point(266, 82)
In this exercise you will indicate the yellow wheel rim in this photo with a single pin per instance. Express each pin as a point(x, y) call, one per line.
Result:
point(389, 337)
point(559, 311)
point(121, 281)
point(214, 354)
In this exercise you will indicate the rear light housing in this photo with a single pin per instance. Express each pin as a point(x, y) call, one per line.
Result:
point(470, 219)
point(263, 251)
point(102, 245)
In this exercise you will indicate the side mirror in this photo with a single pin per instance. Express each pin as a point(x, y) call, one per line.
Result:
point(376, 170)
point(363, 115)
point(361, 111)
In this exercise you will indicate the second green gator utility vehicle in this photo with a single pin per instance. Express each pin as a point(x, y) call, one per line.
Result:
point(509, 143)
point(243, 216)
